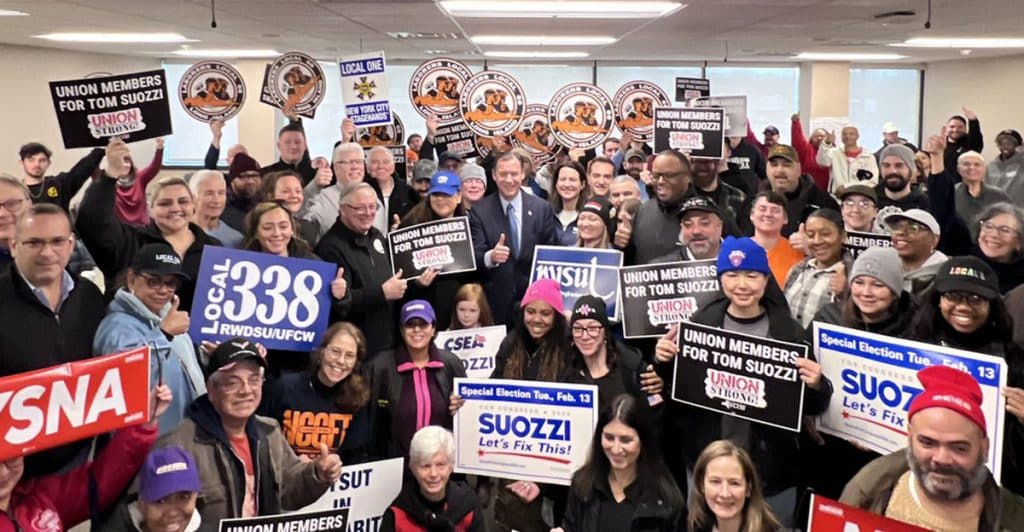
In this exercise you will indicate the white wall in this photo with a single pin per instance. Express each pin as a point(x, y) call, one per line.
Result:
point(991, 88)
point(28, 109)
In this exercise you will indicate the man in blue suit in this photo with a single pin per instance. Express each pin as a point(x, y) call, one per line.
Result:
point(506, 227)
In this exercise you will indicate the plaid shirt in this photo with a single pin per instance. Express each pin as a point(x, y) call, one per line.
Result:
point(809, 288)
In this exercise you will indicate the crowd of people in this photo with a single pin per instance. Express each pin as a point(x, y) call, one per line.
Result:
point(240, 431)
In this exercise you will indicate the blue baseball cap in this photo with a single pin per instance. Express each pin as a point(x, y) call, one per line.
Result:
point(742, 254)
point(418, 308)
point(167, 471)
point(445, 182)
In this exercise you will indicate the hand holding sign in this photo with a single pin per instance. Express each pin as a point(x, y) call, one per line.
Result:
point(667, 348)
point(339, 286)
point(650, 382)
point(159, 401)
point(118, 157)
point(525, 490)
point(176, 321)
point(427, 277)
point(810, 372)
point(455, 403)
point(217, 128)
point(432, 123)
point(501, 252)
point(328, 466)
point(348, 130)
point(396, 221)
point(394, 287)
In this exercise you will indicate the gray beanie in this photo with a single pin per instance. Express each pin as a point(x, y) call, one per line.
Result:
point(883, 264)
point(900, 151)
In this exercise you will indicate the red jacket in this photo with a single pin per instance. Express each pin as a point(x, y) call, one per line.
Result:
point(808, 157)
point(130, 202)
point(54, 503)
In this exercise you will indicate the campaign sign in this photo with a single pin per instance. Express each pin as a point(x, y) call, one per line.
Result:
point(131, 107)
point(875, 379)
point(365, 491)
point(364, 89)
point(740, 375)
point(523, 430)
point(658, 296)
point(735, 112)
point(52, 406)
point(457, 138)
point(444, 245)
point(690, 88)
point(323, 521)
point(857, 242)
point(280, 302)
point(474, 347)
point(697, 132)
point(580, 272)
point(827, 515)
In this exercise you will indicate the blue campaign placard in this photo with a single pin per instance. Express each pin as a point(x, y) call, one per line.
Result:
point(580, 272)
point(280, 302)
point(364, 89)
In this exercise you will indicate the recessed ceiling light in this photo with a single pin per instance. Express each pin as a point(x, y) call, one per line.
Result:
point(842, 56)
point(962, 42)
point(537, 54)
point(130, 38)
point(12, 13)
point(566, 9)
point(542, 40)
point(217, 52)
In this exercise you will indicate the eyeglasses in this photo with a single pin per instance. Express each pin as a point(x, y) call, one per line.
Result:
point(957, 298)
point(334, 353)
point(13, 206)
point(234, 385)
point(1004, 231)
point(907, 228)
point(365, 209)
point(656, 176)
point(860, 204)
point(156, 283)
point(39, 244)
point(353, 162)
point(593, 331)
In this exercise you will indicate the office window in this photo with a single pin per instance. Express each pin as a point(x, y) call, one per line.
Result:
point(772, 94)
point(880, 95)
point(610, 78)
point(191, 138)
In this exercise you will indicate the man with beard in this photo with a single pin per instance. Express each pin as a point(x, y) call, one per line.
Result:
point(243, 190)
point(1006, 171)
point(706, 183)
point(940, 482)
point(700, 231)
point(896, 193)
point(963, 134)
point(802, 196)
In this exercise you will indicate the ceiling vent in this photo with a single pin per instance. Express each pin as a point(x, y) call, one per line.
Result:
point(404, 35)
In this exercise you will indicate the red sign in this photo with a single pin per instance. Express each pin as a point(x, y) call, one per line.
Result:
point(60, 404)
point(831, 516)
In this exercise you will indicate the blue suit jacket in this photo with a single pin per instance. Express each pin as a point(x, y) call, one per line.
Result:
point(506, 283)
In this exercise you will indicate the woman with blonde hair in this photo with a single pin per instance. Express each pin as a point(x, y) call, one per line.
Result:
point(727, 494)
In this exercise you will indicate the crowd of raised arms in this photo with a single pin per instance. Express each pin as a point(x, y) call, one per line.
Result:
point(118, 268)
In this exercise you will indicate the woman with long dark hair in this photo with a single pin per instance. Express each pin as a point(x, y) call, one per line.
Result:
point(624, 484)
point(326, 405)
point(727, 494)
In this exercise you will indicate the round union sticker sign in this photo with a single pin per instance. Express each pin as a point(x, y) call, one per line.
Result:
point(492, 103)
point(211, 90)
point(534, 135)
point(581, 115)
point(392, 134)
point(634, 104)
point(297, 81)
point(435, 86)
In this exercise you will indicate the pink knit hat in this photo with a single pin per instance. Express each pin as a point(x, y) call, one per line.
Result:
point(546, 290)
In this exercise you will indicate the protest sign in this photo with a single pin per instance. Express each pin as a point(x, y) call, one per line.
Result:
point(212, 90)
point(434, 88)
point(581, 116)
point(492, 103)
point(322, 521)
point(294, 81)
point(740, 375)
point(366, 491)
point(691, 88)
point(875, 379)
point(49, 407)
point(580, 272)
point(364, 89)
point(534, 135)
point(658, 296)
point(475, 347)
point(697, 132)
point(280, 302)
point(523, 430)
point(131, 107)
point(445, 245)
point(735, 112)
point(634, 105)
point(456, 137)
point(827, 515)
point(266, 96)
point(857, 242)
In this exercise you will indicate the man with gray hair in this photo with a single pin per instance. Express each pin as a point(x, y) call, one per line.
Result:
point(349, 165)
point(394, 197)
point(210, 192)
point(972, 195)
point(353, 243)
point(623, 187)
point(434, 501)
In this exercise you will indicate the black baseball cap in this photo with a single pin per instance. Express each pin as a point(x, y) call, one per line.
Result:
point(157, 259)
point(698, 203)
point(771, 130)
point(967, 274)
point(233, 351)
point(449, 155)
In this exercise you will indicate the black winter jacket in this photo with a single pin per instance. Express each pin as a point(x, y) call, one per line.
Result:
point(409, 513)
point(651, 514)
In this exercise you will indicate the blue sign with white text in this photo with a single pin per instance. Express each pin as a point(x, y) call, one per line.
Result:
point(280, 302)
point(364, 89)
point(580, 272)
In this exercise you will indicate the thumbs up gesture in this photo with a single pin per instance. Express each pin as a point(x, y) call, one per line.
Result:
point(798, 240)
point(667, 348)
point(394, 287)
point(623, 232)
point(395, 222)
point(328, 466)
point(501, 252)
point(176, 321)
point(339, 286)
